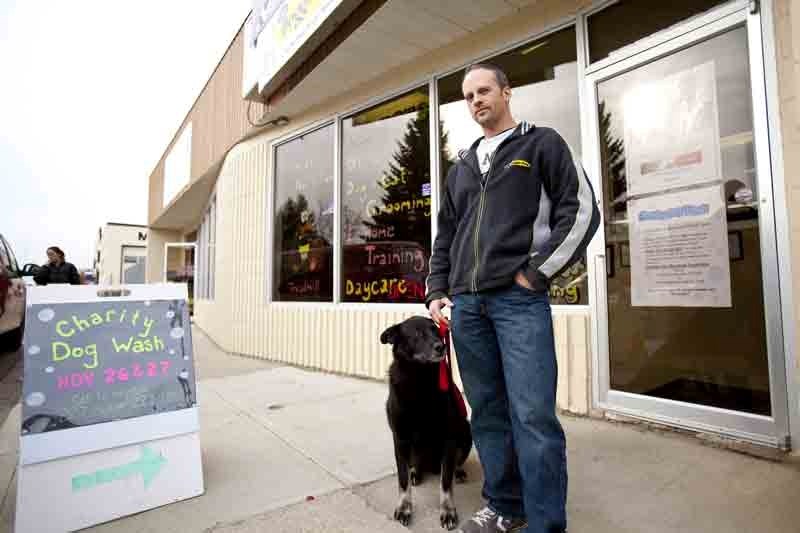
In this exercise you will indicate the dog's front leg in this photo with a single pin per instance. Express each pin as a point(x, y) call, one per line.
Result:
point(402, 455)
point(448, 516)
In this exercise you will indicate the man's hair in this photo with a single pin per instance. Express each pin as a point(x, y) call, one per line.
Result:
point(499, 74)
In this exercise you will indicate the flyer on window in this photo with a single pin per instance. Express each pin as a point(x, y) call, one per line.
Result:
point(672, 132)
point(679, 250)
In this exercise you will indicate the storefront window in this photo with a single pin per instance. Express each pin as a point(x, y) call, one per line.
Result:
point(544, 81)
point(304, 218)
point(134, 264)
point(627, 21)
point(180, 267)
point(386, 197)
point(206, 252)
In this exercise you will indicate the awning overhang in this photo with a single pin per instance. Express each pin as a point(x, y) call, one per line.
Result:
point(398, 33)
point(184, 212)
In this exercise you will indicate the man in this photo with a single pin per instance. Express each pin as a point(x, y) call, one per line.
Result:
point(516, 212)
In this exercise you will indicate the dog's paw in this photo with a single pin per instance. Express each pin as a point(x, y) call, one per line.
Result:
point(448, 518)
point(416, 477)
point(460, 475)
point(402, 513)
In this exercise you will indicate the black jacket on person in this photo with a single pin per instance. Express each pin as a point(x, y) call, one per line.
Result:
point(535, 211)
point(63, 273)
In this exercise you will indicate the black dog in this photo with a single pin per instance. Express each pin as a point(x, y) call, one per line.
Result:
point(430, 434)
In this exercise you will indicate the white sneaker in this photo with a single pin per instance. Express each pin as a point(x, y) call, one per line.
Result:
point(488, 521)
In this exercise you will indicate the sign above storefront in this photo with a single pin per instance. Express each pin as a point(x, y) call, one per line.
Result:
point(178, 165)
point(275, 32)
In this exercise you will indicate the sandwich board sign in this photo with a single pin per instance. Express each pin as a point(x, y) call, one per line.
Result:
point(110, 422)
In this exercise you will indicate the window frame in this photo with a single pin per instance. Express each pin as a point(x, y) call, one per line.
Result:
point(654, 39)
point(13, 263)
point(5, 254)
point(122, 260)
point(205, 251)
point(271, 211)
point(418, 86)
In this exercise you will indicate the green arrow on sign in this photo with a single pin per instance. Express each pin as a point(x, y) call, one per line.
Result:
point(149, 465)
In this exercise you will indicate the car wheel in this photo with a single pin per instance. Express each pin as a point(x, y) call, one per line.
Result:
point(11, 340)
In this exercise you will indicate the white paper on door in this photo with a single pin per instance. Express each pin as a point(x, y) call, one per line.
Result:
point(679, 250)
point(672, 132)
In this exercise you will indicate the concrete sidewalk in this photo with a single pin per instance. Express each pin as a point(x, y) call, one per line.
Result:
point(288, 450)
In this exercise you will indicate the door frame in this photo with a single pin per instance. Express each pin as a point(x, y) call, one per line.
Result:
point(167, 246)
point(774, 430)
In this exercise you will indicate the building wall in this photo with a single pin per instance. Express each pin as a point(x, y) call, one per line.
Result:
point(218, 118)
point(344, 338)
point(156, 239)
point(787, 37)
point(110, 246)
point(340, 338)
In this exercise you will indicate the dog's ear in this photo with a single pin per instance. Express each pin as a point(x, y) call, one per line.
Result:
point(389, 336)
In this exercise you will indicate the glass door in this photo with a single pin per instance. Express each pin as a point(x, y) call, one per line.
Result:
point(179, 266)
point(688, 327)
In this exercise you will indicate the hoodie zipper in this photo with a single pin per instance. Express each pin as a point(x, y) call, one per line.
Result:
point(481, 205)
point(478, 223)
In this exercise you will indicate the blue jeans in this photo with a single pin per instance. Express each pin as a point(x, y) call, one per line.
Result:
point(506, 356)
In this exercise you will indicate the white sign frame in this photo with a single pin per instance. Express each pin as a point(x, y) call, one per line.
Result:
point(112, 456)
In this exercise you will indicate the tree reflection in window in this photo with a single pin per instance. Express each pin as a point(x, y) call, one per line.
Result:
point(387, 201)
point(304, 218)
point(612, 155)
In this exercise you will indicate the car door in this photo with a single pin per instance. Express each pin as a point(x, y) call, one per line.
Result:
point(12, 290)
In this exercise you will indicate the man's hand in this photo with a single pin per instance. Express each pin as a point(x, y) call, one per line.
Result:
point(437, 306)
point(520, 279)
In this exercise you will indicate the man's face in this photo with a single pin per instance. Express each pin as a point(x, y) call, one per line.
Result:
point(488, 103)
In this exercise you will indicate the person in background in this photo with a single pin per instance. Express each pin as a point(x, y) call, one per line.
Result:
point(57, 270)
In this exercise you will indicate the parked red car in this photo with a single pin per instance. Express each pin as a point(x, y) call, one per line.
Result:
point(12, 299)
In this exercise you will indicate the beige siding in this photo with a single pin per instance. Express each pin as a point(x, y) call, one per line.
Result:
point(787, 34)
point(346, 341)
point(218, 118)
point(155, 196)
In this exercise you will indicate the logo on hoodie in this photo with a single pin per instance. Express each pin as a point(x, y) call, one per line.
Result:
point(519, 163)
